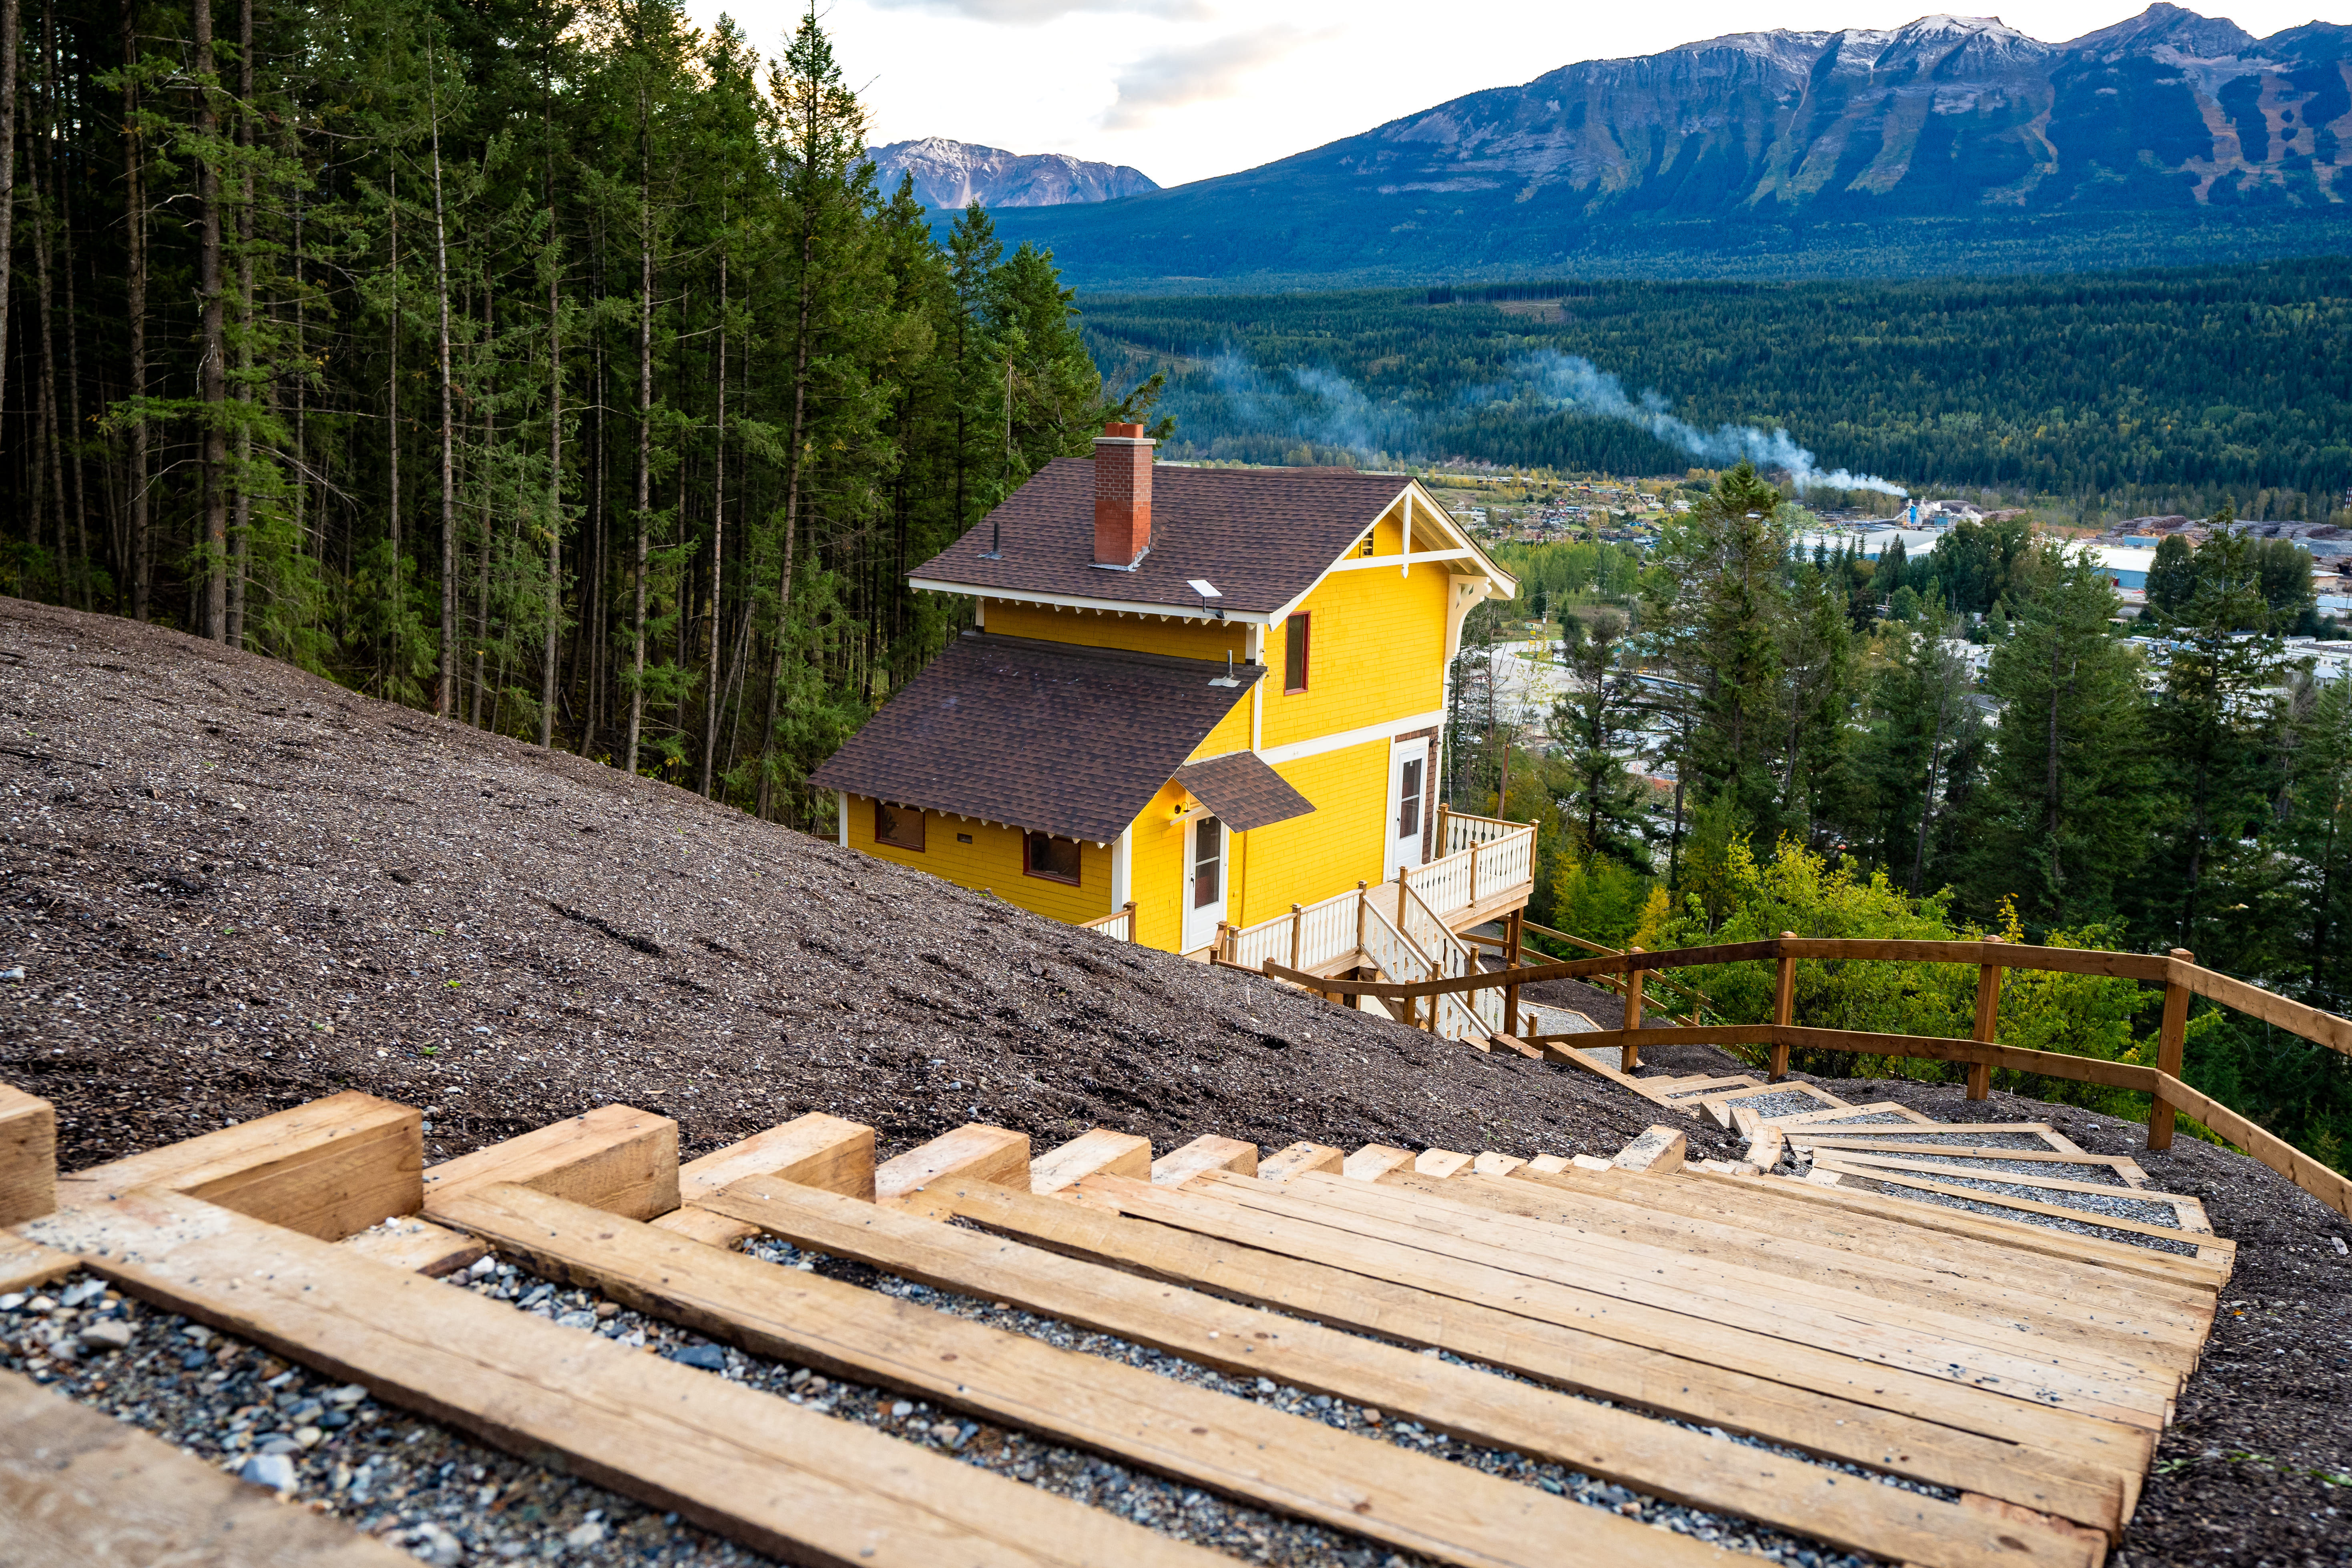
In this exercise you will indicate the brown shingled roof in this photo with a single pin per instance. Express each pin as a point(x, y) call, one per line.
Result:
point(1051, 737)
point(1243, 791)
point(1261, 536)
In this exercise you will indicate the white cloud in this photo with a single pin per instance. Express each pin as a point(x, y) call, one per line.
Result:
point(1198, 73)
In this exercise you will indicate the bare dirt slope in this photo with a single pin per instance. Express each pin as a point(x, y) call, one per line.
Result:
point(234, 887)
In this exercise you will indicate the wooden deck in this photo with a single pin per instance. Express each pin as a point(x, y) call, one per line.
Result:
point(2024, 1372)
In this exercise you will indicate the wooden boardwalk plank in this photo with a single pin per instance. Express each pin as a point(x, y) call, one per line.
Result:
point(2188, 1210)
point(2089, 1492)
point(327, 1169)
point(2025, 1418)
point(815, 1149)
point(1895, 1278)
point(1670, 1461)
point(1246, 1450)
point(1866, 1221)
point(417, 1245)
point(1203, 1154)
point(2203, 1241)
point(28, 1156)
point(1098, 1151)
point(79, 1489)
point(745, 1465)
point(1918, 1339)
point(25, 1266)
point(615, 1157)
point(1284, 1164)
point(1374, 1161)
point(975, 1149)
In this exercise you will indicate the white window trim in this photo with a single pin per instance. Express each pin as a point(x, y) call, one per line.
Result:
point(841, 797)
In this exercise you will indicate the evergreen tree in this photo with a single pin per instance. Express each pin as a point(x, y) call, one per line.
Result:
point(2067, 808)
point(1713, 603)
point(1594, 723)
point(2216, 725)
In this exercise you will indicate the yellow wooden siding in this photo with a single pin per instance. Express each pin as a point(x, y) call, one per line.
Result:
point(1232, 733)
point(1332, 847)
point(992, 860)
point(1180, 639)
point(1156, 879)
point(1376, 651)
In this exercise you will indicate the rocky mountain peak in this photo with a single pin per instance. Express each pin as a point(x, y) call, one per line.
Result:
point(950, 175)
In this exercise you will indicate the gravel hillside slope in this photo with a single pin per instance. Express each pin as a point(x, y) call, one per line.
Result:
point(233, 887)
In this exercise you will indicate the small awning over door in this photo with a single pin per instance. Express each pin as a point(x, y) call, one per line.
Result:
point(1243, 791)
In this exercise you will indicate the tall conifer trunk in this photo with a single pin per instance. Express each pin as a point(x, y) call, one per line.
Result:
point(445, 681)
point(8, 40)
point(241, 519)
point(44, 172)
point(809, 97)
point(718, 543)
point(135, 198)
point(645, 415)
point(392, 426)
point(212, 374)
point(547, 679)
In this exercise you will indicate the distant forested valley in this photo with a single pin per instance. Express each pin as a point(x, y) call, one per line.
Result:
point(2159, 391)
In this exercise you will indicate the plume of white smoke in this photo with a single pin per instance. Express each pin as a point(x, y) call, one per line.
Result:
point(1572, 382)
point(1323, 406)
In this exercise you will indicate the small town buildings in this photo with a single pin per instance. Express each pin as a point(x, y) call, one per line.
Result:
point(1199, 708)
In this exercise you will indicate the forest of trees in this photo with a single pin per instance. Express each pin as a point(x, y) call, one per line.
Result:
point(1836, 769)
point(2124, 393)
point(549, 364)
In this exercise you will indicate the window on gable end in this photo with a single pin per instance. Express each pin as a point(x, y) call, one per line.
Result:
point(1294, 652)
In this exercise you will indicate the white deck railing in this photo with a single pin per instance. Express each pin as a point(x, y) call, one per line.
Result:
point(1119, 925)
point(1488, 857)
point(1309, 937)
point(1400, 928)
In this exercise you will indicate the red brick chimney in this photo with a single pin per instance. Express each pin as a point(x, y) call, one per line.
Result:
point(1122, 496)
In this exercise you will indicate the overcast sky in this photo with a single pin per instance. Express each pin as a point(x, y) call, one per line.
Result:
point(1188, 88)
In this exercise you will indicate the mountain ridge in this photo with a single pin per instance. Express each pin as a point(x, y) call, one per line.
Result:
point(2166, 138)
point(950, 175)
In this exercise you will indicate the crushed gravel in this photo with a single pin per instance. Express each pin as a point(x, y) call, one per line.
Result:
point(234, 887)
point(2058, 1170)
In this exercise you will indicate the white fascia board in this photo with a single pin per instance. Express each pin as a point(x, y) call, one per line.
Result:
point(1106, 606)
point(1499, 583)
point(1386, 730)
point(1374, 563)
point(1464, 542)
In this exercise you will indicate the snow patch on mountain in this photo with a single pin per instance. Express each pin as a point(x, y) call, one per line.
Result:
point(953, 174)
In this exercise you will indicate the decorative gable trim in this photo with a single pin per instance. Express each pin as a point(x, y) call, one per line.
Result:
point(1478, 564)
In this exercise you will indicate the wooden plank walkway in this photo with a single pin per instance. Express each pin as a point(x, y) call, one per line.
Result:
point(2025, 1370)
point(79, 1489)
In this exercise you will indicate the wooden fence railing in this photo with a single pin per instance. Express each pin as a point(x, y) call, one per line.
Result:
point(1119, 925)
point(2176, 971)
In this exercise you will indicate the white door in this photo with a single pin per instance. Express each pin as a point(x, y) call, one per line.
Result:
point(1204, 881)
point(1410, 791)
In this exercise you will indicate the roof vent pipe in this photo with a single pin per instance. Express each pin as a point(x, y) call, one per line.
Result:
point(1122, 496)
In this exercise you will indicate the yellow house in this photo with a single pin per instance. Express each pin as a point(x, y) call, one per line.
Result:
point(1199, 708)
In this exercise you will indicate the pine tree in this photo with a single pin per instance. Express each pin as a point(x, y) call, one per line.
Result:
point(2068, 805)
